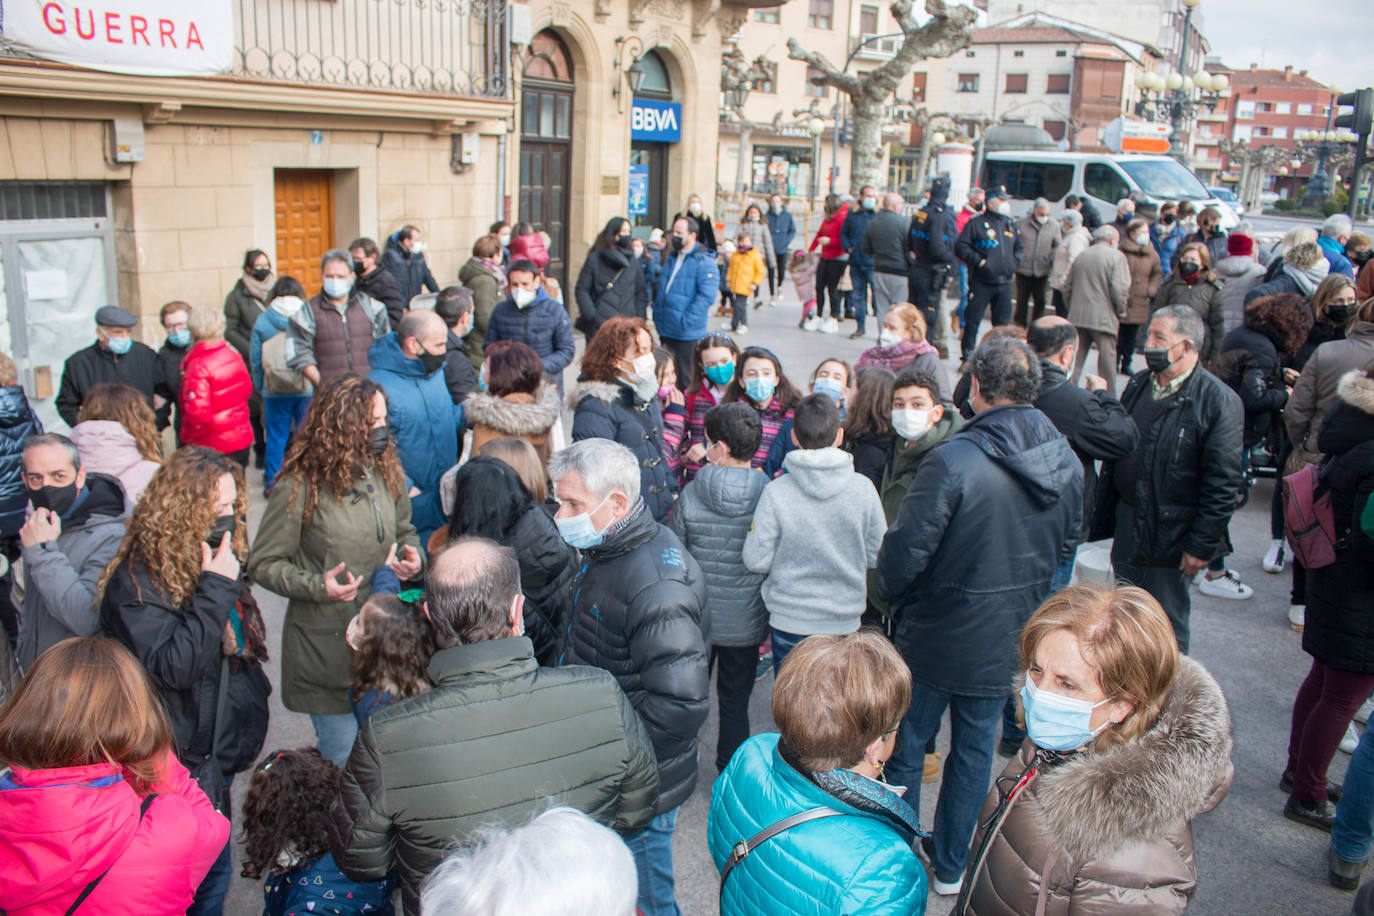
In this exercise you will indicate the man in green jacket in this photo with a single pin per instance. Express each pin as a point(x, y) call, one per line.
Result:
point(495, 741)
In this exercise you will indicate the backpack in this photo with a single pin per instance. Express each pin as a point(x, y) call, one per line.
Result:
point(277, 379)
point(1309, 519)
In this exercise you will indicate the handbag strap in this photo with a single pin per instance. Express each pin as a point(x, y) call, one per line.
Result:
point(86, 891)
point(741, 850)
point(611, 285)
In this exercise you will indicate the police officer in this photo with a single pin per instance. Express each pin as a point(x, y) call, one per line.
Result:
point(991, 247)
point(930, 240)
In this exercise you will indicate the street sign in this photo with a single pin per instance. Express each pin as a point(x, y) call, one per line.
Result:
point(1126, 136)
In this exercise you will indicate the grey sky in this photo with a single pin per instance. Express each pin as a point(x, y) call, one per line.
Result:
point(1331, 42)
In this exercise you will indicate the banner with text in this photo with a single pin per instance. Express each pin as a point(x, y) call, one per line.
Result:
point(656, 121)
point(140, 37)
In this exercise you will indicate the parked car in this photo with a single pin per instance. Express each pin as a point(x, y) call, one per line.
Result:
point(1228, 197)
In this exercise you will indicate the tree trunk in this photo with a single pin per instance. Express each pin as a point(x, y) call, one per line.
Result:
point(866, 147)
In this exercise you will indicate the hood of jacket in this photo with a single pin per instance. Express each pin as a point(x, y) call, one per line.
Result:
point(1238, 265)
point(104, 496)
point(1357, 390)
point(607, 392)
point(386, 354)
point(516, 414)
point(1129, 247)
point(14, 407)
point(939, 193)
point(1024, 443)
point(729, 492)
point(473, 268)
point(1098, 802)
point(106, 444)
point(815, 470)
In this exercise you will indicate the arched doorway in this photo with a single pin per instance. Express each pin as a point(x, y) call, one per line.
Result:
point(656, 123)
point(546, 103)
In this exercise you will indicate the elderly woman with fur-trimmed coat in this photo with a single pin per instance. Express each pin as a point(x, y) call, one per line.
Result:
point(1128, 742)
point(616, 398)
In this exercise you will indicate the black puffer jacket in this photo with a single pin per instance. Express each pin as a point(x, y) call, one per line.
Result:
point(610, 285)
point(170, 357)
point(638, 609)
point(139, 369)
point(872, 454)
point(605, 411)
point(1250, 364)
point(990, 514)
point(1190, 473)
point(459, 375)
point(991, 247)
point(1339, 629)
point(17, 423)
point(382, 286)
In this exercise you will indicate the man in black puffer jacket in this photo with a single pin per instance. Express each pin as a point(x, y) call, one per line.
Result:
point(638, 613)
point(991, 247)
point(610, 284)
point(1169, 503)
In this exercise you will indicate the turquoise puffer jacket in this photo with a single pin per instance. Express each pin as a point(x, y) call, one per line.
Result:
point(833, 866)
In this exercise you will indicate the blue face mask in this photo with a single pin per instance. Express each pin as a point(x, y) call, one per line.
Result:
point(121, 345)
point(760, 390)
point(1056, 722)
point(721, 374)
point(337, 287)
point(179, 338)
point(829, 386)
point(579, 530)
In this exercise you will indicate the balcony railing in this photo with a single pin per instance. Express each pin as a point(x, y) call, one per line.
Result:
point(439, 47)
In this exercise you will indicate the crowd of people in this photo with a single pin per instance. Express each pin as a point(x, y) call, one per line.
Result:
point(505, 592)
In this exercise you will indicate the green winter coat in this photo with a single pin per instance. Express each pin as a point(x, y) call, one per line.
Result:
point(359, 530)
point(486, 292)
point(1203, 297)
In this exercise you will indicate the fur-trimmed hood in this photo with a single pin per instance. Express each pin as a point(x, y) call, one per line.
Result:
point(608, 392)
point(515, 414)
point(1357, 390)
point(1139, 791)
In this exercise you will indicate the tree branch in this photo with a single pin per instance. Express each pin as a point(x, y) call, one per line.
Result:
point(948, 30)
point(845, 82)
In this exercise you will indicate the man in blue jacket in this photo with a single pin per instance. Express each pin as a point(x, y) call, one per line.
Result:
point(691, 282)
point(991, 247)
point(783, 229)
point(860, 262)
point(533, 318)
point(409, 365)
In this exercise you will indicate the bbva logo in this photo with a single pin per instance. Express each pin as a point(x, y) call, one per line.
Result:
point(653, 119)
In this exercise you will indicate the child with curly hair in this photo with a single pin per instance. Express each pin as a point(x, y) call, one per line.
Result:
point(392, 644)
point(286, 835)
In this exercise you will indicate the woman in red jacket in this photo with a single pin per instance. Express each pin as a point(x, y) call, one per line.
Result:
point(215, 387)
point(527, 244)
point(833, 263)
point(95, 802)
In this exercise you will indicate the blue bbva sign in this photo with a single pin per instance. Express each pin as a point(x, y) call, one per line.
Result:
point(659, 121)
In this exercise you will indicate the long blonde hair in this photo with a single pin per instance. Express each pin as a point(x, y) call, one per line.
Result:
point(127, 407)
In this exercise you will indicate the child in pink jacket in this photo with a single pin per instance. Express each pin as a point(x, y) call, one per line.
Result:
point(803, 273)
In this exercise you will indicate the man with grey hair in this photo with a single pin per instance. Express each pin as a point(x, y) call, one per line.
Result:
point(1074, 240)
point(990, 515)
point(638, 605)
point(1336, 231)
point(1041, 237)
point(1169, 503)
point(1125, 212)
point(496, 738)
point(1096, 290)
point(331, 335)
point(884, 241)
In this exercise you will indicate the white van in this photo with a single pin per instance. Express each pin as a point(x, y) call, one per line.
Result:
point(1101, 179)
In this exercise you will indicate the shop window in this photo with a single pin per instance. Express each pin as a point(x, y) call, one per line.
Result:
point(821, 14)
point(51, 200)
point(1017, 82)
point(968, 82)
point(1057, 83)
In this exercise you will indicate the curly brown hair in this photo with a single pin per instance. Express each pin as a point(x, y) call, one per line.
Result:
point(333, 448)
point(174, 516)
point(287, 810)
point(395, 643)
point(127, 407)
point(1286, 313)
point(605, 350)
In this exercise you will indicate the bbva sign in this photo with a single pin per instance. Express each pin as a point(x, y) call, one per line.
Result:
point(658, 121)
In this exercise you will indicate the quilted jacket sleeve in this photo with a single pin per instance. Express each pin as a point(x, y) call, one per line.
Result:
point(639, 784)
point(922, 518)
point(668, 649)
point(362, 836)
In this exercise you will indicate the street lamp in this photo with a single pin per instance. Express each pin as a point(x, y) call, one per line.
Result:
point(816, 127)
point(1323, 145)
point(1171, 97)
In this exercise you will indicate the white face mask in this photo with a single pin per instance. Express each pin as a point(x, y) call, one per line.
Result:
point(286, 306)
point(911, 424)
point(1140, 238)
point(694, 208)
point(644, 368)
point(504, 239)
point(889, 338)
point(1004, 208)
point(418, 247)
point(522, 297)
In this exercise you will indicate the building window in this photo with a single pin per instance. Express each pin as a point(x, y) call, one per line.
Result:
point(968, 82)
point(1245, 110)
point(868, 20)
point(1017, 82)
point(1279, 133)
point(1283, 108)
point(821, 13)
point(1055, 129)
point(1304, 108)
point(815, 90)
point(970, 53)
point(769, 14)
point(1261, 131)
point(769, 84)
point(1061, 53)
point(1018, 53)
point(918, 87)
point(1241, 133)
point(1057, 83)
point(1264, 107)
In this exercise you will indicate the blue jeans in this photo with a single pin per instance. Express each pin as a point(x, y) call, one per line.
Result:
point(1353, 832)
point(652, 848)
point(783, 643)
point(214, 887)
point(973, 729)
point(1063, 573)
point(280, 417)
point(334, 735)
point(862, 279)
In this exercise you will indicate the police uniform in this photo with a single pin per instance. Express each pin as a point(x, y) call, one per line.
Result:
point(931, 242)
point(991, 247)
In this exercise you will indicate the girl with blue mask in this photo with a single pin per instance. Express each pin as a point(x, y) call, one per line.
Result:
point(714, 359)
point(760, 383)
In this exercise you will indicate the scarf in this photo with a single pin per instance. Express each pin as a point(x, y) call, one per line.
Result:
point(1308, 278)
point(493, 267)
point(258, 289)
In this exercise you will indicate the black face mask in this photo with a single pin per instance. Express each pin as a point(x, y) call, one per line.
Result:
point(224, 524)
point(58, 499)
point(1188, 270)
point(359, 268)
point(1339, 314)
point(1359, 258)
point(380, 438)
point(678, 242)
point(260, 273)
point(432, 362)
point(626, 242)
point(1167, 218)
point(1157, 359)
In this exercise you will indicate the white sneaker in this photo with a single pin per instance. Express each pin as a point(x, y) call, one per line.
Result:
point(811, 324)
point(1297, 614)
point(1351, 739)
point(830, 326)
point(943, 889)
point(742, 329)
point(775, 302)
point(1362, 714)
point(1276, 555)
point(1226, 585)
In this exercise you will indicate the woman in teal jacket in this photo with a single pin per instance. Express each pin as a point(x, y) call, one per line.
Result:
point(855, 855)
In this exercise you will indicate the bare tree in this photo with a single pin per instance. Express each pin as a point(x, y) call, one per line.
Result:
point(948, 30)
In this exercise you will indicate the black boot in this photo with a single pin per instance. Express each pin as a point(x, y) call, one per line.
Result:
point(1314, 814)
point(1342, 874)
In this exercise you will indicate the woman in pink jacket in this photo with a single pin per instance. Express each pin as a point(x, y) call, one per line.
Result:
point(528, 244)
point(94, 806)
point(215, 387)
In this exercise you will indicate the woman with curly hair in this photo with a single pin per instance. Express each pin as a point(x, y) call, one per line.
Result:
point(116, 434)
point(339, 510)
point(174, 596)
point(286, 835)
point(616, 398)
point(1256, 359)
point(94, 792)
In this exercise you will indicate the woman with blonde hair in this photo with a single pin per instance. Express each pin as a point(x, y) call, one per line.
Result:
point(1128, 742)
point(1193, 284)
point(215, 388)
point(902, 342)
point(174, 596)
point(95, 809)
point(116, 434)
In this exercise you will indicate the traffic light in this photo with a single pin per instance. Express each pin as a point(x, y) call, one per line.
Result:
point(1361, 113)
point(846, 132)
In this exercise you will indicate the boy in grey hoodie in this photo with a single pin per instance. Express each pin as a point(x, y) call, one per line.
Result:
point(712, 516)
point(806, 528)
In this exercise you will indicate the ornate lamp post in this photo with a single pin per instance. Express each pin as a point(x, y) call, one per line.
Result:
point(1324, 146)
point(1177, 98)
